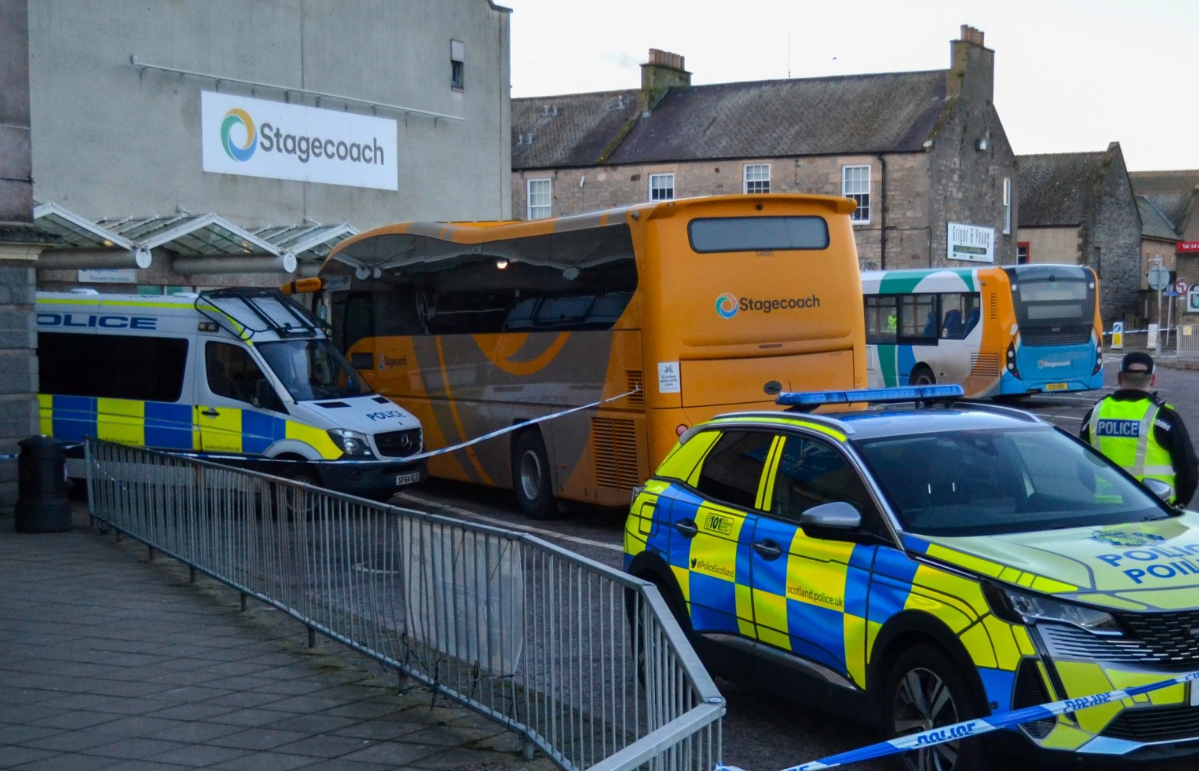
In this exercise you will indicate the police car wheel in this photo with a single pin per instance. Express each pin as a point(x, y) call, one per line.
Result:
point(531, 476)
point(926, 691)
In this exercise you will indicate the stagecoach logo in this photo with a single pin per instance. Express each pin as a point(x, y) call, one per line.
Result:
point(233, 119)
point(727, 306)
point(1046, 364)
point(1126, 540)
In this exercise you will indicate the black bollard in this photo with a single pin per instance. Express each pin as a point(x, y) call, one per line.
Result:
point(42, 503)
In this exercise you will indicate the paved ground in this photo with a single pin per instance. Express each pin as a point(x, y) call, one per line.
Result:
point(111, 660)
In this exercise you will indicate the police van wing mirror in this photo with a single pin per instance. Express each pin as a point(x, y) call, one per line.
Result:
point(831, 521)
point(1159, 488)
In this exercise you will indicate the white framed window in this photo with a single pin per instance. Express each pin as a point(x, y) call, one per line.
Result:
point(661, 187)
point(757, 178)
point(855, 184)
point(1007, 205)
point(539, 199)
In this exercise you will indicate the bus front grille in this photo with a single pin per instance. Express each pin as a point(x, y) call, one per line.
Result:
point(615, 443)
point(1067, 336)
point(984, 364)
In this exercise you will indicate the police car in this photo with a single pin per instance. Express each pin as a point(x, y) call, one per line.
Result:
point(924, 563)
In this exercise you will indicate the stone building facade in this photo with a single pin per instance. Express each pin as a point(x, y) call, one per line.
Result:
point(1169, 202)
point(19, 247)
point(922, 149)
point(128, 104)
point(1079, 209)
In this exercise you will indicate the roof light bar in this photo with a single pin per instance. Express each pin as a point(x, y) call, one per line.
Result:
point(872, 395)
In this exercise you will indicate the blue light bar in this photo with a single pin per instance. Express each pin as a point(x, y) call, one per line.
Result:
point(872, 395)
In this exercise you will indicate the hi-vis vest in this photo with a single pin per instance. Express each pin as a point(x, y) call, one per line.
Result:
point(1123, 431)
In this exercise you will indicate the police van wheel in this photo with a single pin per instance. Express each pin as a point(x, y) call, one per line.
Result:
point(925, 691)
point(922, 375)
point(297, 502)
point(531, 476)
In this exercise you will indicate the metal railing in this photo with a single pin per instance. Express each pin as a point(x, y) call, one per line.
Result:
point(584, 662)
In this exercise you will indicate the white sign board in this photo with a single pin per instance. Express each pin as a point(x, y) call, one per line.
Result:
point(108, 275)
point(668, 377)
point(260, 138)
point(971, 243)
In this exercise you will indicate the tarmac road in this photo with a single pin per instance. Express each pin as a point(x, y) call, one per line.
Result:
point(761, 732)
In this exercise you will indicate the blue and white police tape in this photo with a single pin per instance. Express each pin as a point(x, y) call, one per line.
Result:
point(433, 453)
point(970, 728)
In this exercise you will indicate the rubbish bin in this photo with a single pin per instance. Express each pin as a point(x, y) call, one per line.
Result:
point(42, 503)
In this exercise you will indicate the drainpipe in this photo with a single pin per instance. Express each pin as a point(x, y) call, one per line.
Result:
point(882, 212)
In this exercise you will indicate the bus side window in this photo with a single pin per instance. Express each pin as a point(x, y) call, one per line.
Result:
point(919, 320)
point(961, 311)
point(882, 320)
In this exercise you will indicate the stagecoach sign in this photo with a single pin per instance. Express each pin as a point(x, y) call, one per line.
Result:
point(261, 138)
point(971, 243)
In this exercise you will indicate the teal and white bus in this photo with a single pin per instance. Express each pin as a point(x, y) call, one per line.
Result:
point(997, 331)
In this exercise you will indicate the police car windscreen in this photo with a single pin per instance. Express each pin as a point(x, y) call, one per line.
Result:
point(984, 482)
point(313, 369)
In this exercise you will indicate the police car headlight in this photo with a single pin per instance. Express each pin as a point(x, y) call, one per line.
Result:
point(1022, 608)
point(350, 442)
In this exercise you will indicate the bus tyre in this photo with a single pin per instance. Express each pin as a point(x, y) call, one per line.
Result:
point(531, 476)
point(926, 690)
point(922, 376)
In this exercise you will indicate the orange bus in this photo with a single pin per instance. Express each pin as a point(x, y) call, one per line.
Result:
point(690, 307)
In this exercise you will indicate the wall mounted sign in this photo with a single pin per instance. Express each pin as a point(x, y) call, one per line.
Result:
point(260, 138)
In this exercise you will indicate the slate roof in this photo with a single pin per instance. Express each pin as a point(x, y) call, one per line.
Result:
point(1055, 189)
point(568, 131)
point(1154, 223)
point(1169, 191)
point(858, 114)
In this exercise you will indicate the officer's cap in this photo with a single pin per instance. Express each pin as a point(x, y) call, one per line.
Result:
point(1137, 361)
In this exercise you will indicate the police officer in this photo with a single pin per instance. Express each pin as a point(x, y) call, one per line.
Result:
point(1141, 433)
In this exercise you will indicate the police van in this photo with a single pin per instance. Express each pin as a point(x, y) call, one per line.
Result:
point(243, 376)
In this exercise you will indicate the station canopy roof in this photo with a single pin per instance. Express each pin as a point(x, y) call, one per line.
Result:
point(187, 234)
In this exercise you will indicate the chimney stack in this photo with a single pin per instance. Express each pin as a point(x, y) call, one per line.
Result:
point(663, 71)
point(972, 35)
point(971, 67)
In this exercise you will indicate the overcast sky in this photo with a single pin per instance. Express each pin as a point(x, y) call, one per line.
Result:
point(1070, 76)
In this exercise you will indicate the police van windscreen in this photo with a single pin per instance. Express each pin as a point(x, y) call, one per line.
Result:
point(313, 369)
point(987, 482)
point(1055, 304)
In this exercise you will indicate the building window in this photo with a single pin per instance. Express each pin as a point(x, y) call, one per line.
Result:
point(661, 187)
point(855, 184)
point(757, 178)
point(539, 199)
point(1022, 253)
point(457, 65)
point(1007, 206)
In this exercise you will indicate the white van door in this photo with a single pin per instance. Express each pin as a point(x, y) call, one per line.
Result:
point(237, 409)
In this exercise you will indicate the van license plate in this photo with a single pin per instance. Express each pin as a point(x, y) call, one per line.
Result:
point(1057, 387)
point(407, 479)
